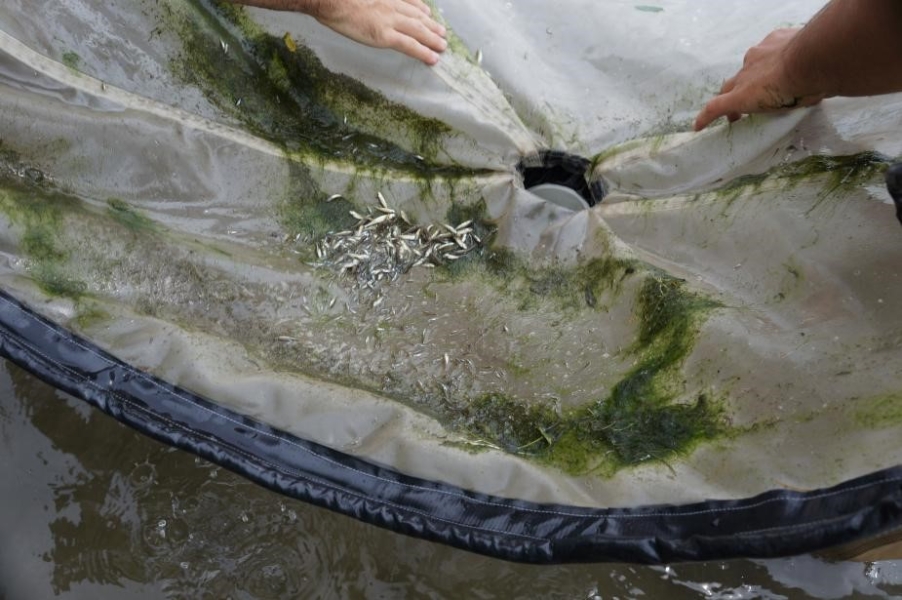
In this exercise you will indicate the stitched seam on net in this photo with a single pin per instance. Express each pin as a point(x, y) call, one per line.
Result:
point(802, 526)
point(152, 381)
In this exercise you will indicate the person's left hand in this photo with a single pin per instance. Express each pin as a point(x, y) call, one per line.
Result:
point(403, 25)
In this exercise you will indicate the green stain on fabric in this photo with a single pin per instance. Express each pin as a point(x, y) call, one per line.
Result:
point(312, 218)
point(128, 217)
point(71, 60)
point(838, 173)
point(642, 419)
point(880, 411)
point(282, 92)
point(36, 212)
point(510, 424)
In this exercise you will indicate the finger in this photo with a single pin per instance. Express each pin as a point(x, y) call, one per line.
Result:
point(412, 12)
point(718, 107)
point(411, 47)
point(728, 85)
point(753, 54)
point(733, 117)
point(811, 100)
point(420, 5)
point(436, 27)
point(421, 33)
point(704, 117)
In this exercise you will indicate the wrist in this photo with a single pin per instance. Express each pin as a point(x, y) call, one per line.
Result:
point(321, 10)
point(803, 79)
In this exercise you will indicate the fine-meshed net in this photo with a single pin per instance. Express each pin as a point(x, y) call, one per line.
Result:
point(338, 242)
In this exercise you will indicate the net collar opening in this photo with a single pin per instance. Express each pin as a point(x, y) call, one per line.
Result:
point(561, 179)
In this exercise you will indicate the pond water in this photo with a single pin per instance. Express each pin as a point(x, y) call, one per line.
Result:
point(91, 509)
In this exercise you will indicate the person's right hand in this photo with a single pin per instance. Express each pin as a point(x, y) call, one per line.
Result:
point(762, 85)
point(403, 25)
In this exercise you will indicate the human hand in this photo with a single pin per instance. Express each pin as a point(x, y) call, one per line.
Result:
point(762, 85)
point(403, 25)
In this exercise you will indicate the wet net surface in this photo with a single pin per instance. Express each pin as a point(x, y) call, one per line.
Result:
point(346, 250)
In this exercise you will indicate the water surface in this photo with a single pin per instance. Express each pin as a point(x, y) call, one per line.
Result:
point(90, 509)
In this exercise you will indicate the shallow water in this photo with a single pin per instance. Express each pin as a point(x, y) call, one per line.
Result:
point(91, 509)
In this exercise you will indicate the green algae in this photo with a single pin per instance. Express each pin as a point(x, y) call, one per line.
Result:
point(594, 283)
point(455, 43)
point(839, 173)
point(472, 263)
point(282, 93)
point(44, 218)
point(844, 171)
point(458, 46)
point(509, 424)
point(613, 151)
point(38, 212)
point(647, 416)
point(667, 311)
point(71, 60)
point(314, 219)
point(570, 287)
point(742, 184)
point(793, 271)
point(791, 280)
point(90, 314)
point(880, 411)
point(39, 242)
point(632, 428)
point(641, 420)
point(128, 217)
point(52, 279)
point(583, 286)
point(304, 212)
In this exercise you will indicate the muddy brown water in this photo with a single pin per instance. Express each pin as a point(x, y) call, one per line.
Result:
point(90, 509)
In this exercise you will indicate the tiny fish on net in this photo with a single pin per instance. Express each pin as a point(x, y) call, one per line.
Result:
point(384, 244)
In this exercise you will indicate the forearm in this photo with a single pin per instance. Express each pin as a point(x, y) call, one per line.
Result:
point(850, 48)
